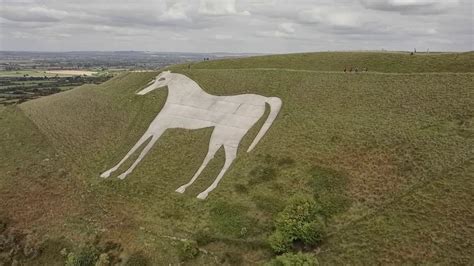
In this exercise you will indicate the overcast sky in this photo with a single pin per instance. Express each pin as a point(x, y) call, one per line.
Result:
point(265, 26)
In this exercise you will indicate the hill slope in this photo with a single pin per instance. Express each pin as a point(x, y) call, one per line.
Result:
point(388, 157)
point(383, 62)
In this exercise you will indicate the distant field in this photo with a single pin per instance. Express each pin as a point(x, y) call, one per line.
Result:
point(388, 156)
point(31, 73)
point(20, 86)
point(72, 72)
point(47, 73)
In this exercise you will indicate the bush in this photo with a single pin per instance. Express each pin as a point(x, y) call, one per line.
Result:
point(188, 250)
point(280, 242)
point(103, 260)
point(203, 237)
point(313, 232)
point(86, 256)
point(291, 259)
point(301, 221)
point(137, 259)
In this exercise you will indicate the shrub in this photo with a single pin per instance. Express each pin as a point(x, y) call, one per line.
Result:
point(292, 259)
point(301, 221)
point(103, 260)
point(313, 232)
point(137, 259)
point(279, 242)
point(203, 237)
point(87, 255)
point(188, 250)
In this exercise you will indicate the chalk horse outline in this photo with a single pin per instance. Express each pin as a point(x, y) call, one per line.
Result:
point(188, 106)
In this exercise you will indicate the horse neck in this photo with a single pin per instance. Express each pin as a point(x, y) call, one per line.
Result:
point(182, 85)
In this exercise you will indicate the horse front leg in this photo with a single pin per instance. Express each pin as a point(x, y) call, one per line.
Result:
point(155, 137)
point(230, 154)
point(213, 148)
point(137, 145)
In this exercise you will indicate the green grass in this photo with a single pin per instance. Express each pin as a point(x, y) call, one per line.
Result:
point(387, 155)
point(388, 62)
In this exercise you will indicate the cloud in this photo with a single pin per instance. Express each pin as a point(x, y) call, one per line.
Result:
point(175, 11)
point(272, 34)
point(252, 25)
point(223, 37)
point(34, 13)
point(330, 17)
point(284, 30)
point(179, 37)
point(287, 27)
point(411, 6)
point(220, 8)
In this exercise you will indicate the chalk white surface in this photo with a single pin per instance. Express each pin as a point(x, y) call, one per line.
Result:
point(190, 107)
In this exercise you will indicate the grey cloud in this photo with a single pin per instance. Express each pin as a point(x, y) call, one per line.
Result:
point(234, 25)
point(32, 14)
point(411, 6)
point(220, 7)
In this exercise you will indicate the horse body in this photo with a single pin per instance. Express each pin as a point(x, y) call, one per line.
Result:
point(190, 107)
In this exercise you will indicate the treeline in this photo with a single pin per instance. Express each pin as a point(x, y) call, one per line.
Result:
point(15, 90)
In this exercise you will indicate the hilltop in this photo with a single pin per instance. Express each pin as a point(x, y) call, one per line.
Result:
point(386, 154)
point(384, 62)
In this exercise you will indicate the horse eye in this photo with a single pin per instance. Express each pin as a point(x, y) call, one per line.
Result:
point(161, 79)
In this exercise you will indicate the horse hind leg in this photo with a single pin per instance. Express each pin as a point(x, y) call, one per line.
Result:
point(137, 145)
point(230, 154)
point(213, 148)
point(144, 152)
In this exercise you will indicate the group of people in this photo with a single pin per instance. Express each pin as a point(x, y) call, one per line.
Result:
point(356, 69)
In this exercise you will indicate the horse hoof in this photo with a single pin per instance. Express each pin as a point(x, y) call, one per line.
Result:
point(181, 189)
point(122, 176)
point(105, 174)
point(202, 196)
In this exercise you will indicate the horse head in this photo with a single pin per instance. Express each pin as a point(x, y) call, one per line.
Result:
point(160, 81)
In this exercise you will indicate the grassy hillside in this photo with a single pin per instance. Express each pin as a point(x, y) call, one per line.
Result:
point(387, 156)
point(336, 61)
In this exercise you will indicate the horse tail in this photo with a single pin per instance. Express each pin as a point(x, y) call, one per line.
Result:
point(275, 106)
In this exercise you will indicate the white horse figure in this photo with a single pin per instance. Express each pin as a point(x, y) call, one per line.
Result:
point(190, 107)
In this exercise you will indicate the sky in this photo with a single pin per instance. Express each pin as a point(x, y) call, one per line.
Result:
point(238, 26)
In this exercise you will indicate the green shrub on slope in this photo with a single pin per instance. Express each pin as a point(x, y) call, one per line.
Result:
point(294, 259)
point(300, 221)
